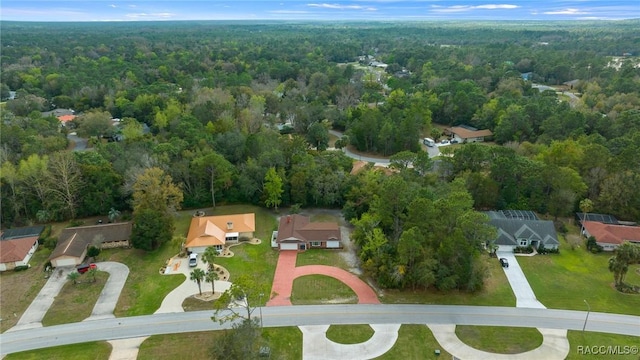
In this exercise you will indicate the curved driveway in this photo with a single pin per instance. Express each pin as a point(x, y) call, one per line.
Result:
point(106, 304)
point(277, 316)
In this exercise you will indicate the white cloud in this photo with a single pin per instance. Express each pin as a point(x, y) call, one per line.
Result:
point(497, 6)
point(342, 7)
point(462, 8)
point(151, 16)
point(566, 12)
point(289, 12)
point(113, 6)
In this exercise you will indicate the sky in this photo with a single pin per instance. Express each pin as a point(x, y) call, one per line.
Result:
point(411, 10)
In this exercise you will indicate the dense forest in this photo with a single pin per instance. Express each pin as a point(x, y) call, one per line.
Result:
point(222, 111)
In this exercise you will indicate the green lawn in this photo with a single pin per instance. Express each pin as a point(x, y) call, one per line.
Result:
point(285, 344)
point(565, 280)
point(349, 334)
point(75, 301)
point(415, 342)
point(500, 339)
point(321, 289)
point(582, 345)
point(87, 351)
point(19, 288)
point(496, 292)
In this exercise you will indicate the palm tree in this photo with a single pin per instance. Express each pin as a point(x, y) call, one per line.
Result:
point(113, 214)
point(73, 276)
point(211, 277)
point(197, 275)
point(209, 256)
point(92, 272)
point(586, 205)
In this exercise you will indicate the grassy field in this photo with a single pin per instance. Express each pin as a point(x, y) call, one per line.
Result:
point(563, 281)
point(75, 301)
point(349, 334)
point(579, 341)
point(496, 292)
point(320, 289)
point(415, 342)
point(99, 350)
point(19, 288)
point(285, 344)
point(500, 339)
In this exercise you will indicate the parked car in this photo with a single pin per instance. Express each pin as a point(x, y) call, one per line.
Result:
point(504, 262)
point(83, 268)
point(445, 142)
point(454, 141)
point(193, 259)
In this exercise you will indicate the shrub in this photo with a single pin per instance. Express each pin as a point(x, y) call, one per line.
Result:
point(45, 234)
point(523, 249)
point(75, 223)
point(93, 251)
point(50, 243)
point(21, 268)
point(593, 246)
point(560, 227)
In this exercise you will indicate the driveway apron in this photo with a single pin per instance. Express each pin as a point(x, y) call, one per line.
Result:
point(525, 297)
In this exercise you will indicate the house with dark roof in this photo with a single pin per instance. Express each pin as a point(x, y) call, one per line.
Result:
point(17, 246)
point(467, 134)
point(298, 232)
point(526, 230)
point(217, 231)
point(610, 236)
point(73, 242)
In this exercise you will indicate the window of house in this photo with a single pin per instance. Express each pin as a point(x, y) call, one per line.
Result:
point(315, 243)
point(523, 242)
point(231, 238)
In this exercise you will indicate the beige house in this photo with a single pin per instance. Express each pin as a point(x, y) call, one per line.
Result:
point(73, 242)
point(217, 231)
point(467, 134)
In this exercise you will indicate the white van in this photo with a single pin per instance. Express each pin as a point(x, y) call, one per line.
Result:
point(193, 259)
point(429, 142)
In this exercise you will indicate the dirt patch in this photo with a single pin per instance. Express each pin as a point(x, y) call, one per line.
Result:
point(207, 296)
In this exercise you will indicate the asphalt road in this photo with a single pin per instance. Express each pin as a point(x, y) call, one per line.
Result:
point(433, 152)
point(121, 328)
point(81, 144)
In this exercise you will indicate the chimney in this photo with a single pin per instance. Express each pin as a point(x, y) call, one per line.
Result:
point(288, 219)
point(229, 225)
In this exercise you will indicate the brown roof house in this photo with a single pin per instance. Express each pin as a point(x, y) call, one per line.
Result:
point(217, 231)
point(73, 242)
point(17, 246)
point(297, 232)
point(467, 134)
point(610, 236)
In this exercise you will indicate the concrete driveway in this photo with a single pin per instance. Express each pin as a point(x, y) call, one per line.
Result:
point(521, 289)
point(32, 317)
point(110, 294)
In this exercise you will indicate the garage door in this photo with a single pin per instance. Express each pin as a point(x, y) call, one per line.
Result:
point(65, 262)
point(333, 244)
point(289, 246)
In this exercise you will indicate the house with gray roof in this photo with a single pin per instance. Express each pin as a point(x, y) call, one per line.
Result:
point(526, 230)
point(73, 243)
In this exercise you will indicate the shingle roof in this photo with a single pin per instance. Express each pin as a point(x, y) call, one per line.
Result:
point(73, 241)
point(464, 133)
point(16, 249)
point(22, 232)
point(512, 229)
point(212, 230)
point(612, 234)
point(300, 228)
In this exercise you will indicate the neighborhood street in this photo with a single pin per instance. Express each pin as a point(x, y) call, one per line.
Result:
point(127, 327)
